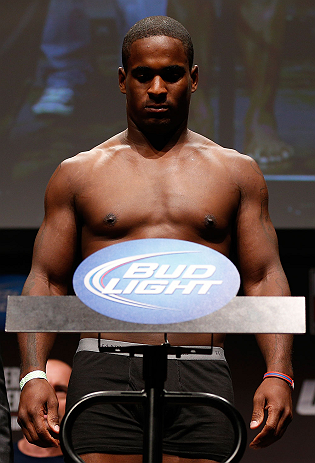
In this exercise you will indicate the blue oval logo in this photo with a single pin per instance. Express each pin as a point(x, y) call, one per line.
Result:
point(156, 281)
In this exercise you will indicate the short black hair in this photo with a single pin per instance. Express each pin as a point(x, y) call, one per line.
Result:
point(157, 25)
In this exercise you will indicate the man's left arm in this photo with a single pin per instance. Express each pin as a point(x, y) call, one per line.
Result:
point(263, 275)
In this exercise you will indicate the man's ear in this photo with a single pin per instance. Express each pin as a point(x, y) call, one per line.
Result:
point(122, 79)
point(194, 74)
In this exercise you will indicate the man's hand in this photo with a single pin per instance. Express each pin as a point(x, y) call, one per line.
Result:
point(38, 413)
point(274, 396)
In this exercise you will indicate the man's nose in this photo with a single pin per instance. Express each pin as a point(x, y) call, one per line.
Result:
point(157, 88)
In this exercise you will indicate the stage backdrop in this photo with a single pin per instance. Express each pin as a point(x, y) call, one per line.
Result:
point(59, 91)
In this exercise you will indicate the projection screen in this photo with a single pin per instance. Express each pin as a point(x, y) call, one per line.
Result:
point(60, 96)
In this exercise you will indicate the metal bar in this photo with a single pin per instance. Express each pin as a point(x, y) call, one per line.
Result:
point(243, 314)
point(86, 402)
point(153, 451)
point(236, 419)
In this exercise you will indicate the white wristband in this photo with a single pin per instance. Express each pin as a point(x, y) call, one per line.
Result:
point(32, 375)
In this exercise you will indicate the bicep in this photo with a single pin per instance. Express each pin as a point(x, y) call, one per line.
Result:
point(258, 254)
point(55, 245)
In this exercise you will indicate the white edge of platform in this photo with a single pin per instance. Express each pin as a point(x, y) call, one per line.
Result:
point(243, 314)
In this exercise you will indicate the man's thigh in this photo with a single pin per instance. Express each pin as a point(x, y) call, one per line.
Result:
point(116, 430)
point(105, 458)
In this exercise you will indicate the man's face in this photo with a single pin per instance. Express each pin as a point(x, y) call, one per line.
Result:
point(58, 375)
point(158, 84)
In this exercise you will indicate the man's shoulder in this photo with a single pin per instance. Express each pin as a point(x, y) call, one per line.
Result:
point(74, 172)
point(101, 152)
point(214, 150)
point(242, 169)
point(83, 164)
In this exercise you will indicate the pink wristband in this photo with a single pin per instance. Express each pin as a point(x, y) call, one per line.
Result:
point(276, 374)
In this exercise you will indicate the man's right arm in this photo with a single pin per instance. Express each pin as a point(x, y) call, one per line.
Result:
point(52, 267)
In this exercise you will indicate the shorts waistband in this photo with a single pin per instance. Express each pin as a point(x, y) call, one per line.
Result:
point(91, 345)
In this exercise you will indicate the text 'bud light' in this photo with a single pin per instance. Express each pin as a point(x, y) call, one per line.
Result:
point(156, 281)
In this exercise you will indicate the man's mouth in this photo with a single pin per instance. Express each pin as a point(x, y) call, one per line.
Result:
point(157, 108)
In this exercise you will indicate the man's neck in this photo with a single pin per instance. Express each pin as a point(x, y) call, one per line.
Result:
point(159, 142)
point(38, 452)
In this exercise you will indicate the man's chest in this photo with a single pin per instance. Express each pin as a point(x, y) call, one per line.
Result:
point(188, 198)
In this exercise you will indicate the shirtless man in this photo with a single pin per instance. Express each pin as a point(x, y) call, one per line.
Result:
point(157, 179)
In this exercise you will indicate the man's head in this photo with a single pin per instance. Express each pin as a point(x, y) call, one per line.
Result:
point(58, 375)
point(154, 26)
point(158, 78)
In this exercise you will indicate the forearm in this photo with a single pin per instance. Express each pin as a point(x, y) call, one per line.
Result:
point(34, 350)
point(277, 352)
point(276, 348)
point(272, 282)
point(35, 347)
point(38, 283)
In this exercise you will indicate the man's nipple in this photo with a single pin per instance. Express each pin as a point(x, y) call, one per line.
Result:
point(110, 219)
point(210, 221)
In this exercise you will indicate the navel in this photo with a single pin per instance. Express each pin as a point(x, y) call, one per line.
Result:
point(110, 219)
point(210, 221)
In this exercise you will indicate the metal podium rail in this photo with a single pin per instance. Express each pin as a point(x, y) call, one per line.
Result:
point(154, 399)
point(241, 315)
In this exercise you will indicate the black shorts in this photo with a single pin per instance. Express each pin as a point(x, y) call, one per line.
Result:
point(189, 431)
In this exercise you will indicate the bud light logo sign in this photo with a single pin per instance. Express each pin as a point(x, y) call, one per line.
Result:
point(156, 281)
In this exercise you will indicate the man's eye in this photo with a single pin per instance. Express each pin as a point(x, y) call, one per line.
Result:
point(144, 77)
point(172, 76)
